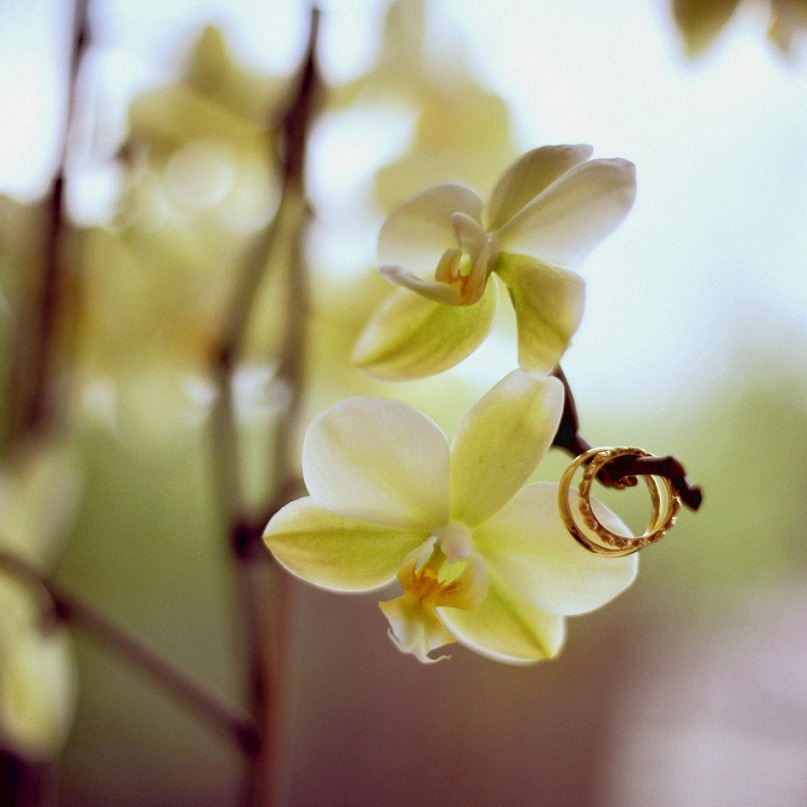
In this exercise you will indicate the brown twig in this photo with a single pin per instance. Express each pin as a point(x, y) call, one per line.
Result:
point(272, 671)
point(264, 593)
point(38, 325)
point(622, 470)
point(284, 233)
point(34, 368)
point(65, 607)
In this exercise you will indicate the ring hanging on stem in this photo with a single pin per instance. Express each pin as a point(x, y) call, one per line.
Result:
point(663, 496)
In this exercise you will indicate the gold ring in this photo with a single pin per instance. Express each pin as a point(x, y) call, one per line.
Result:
point(614, 545)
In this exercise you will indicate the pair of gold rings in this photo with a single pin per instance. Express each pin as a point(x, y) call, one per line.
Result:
point(663, 496)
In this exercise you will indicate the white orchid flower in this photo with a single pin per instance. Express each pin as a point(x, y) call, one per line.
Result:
point(546, 213)
point(482, 559)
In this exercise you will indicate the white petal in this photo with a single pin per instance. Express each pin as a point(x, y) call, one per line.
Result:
point(436, 291)
point(528, 176)
point(565, 222)
point(528, 545)
point(378, 461)
point(415, 630)
point(419, 230)
point(336, 553)
point(500, 441)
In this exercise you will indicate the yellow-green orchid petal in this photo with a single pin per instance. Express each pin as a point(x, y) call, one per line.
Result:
point(380, 461)
point(37, 690)
point(527, 544)
point(565, 222)
point(505, 627)
point(412, 337)
point(45, 474)
point(169, 116)
point(788, 24)
point(700, 22)
point(213, 71)
point(336, 553)
point(499, 443)
point(38, 494)
point(419, 230)
point(527, 177)
point(549, 307)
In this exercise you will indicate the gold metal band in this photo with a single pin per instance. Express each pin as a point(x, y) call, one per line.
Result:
point(663, 496)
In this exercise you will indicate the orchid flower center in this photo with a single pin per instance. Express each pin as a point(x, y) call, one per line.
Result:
point(450, 575)
point(467, 265)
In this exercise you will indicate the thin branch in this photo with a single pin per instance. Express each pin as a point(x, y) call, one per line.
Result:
point(263, 593)
point(34, 364)
point(623, 470)
point(285, 233)
point(272, 681)
point(65, 607)
point(272, 670)
point(37, 343)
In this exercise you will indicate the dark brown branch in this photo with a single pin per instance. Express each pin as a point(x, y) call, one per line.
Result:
point(289, 225)
point(263, 592)
point(300, 112)
point(68, 608)
point(623, 470)
point(294, 125)
point(270, 784)
point(38, 329)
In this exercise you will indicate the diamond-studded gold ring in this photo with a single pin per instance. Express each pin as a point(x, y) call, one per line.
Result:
point(663, 497)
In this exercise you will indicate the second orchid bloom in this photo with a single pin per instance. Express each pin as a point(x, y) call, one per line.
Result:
point(482, 558)
point(545, 214)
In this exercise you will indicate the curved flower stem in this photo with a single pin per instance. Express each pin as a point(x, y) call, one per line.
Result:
point(623, 468)
point(264, 593)
point(65, 607)
point(38, 324)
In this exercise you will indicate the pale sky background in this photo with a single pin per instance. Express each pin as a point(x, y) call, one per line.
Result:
point(712, 261)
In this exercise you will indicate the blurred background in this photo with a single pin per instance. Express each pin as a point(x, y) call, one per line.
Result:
point(690, 688)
